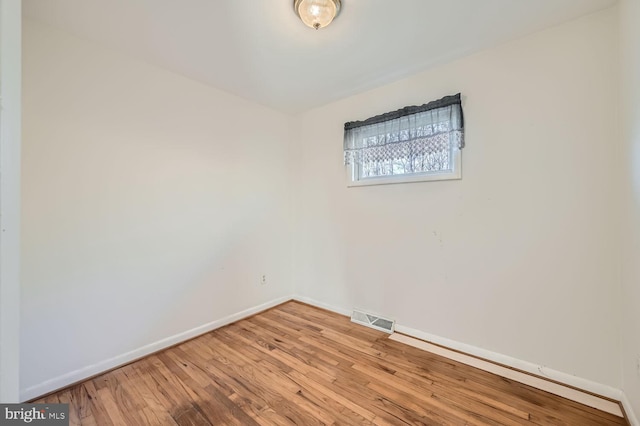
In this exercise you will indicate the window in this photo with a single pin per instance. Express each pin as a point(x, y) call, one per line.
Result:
point(412, 144)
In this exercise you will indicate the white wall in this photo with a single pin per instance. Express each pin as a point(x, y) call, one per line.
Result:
point(10, 127)
point(520, 257)
point(630, 90)
point(152, 204)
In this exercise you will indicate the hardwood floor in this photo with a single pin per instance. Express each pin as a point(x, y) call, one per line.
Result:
point(296, 364)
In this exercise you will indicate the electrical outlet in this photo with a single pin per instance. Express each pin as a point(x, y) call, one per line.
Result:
point(263, 279)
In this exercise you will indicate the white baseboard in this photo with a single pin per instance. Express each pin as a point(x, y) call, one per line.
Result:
point(84, 373)
point(628, 410)
point(317, 304)
point(537, 382)
point(528, 367)
point(525, 366)
point(106, 365)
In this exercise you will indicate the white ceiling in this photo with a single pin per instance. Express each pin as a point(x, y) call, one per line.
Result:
point(259, 49)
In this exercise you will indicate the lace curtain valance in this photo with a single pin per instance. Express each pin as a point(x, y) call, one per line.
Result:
point(410, 131)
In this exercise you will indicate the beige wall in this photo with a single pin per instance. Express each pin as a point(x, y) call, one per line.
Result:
point(630, 90)
point(151, 205)
point(520, 257)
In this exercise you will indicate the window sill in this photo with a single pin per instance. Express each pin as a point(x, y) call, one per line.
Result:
point(390, 180)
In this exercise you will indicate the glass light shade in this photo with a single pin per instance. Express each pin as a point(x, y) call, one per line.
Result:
point(317, 13)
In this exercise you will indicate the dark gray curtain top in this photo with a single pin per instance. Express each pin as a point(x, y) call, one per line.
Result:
point(428, 129)
point(452, 100)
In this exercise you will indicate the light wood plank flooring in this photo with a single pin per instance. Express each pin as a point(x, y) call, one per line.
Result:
point(296, 364)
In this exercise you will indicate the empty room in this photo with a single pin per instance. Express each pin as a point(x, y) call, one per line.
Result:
point(320, 212)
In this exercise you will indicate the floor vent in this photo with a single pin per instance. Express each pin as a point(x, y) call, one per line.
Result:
point(373, 321)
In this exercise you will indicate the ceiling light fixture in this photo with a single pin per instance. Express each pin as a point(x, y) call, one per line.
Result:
point(317, 13)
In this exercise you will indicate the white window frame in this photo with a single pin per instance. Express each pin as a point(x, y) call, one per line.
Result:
point(354, 178)
point(399, 135)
